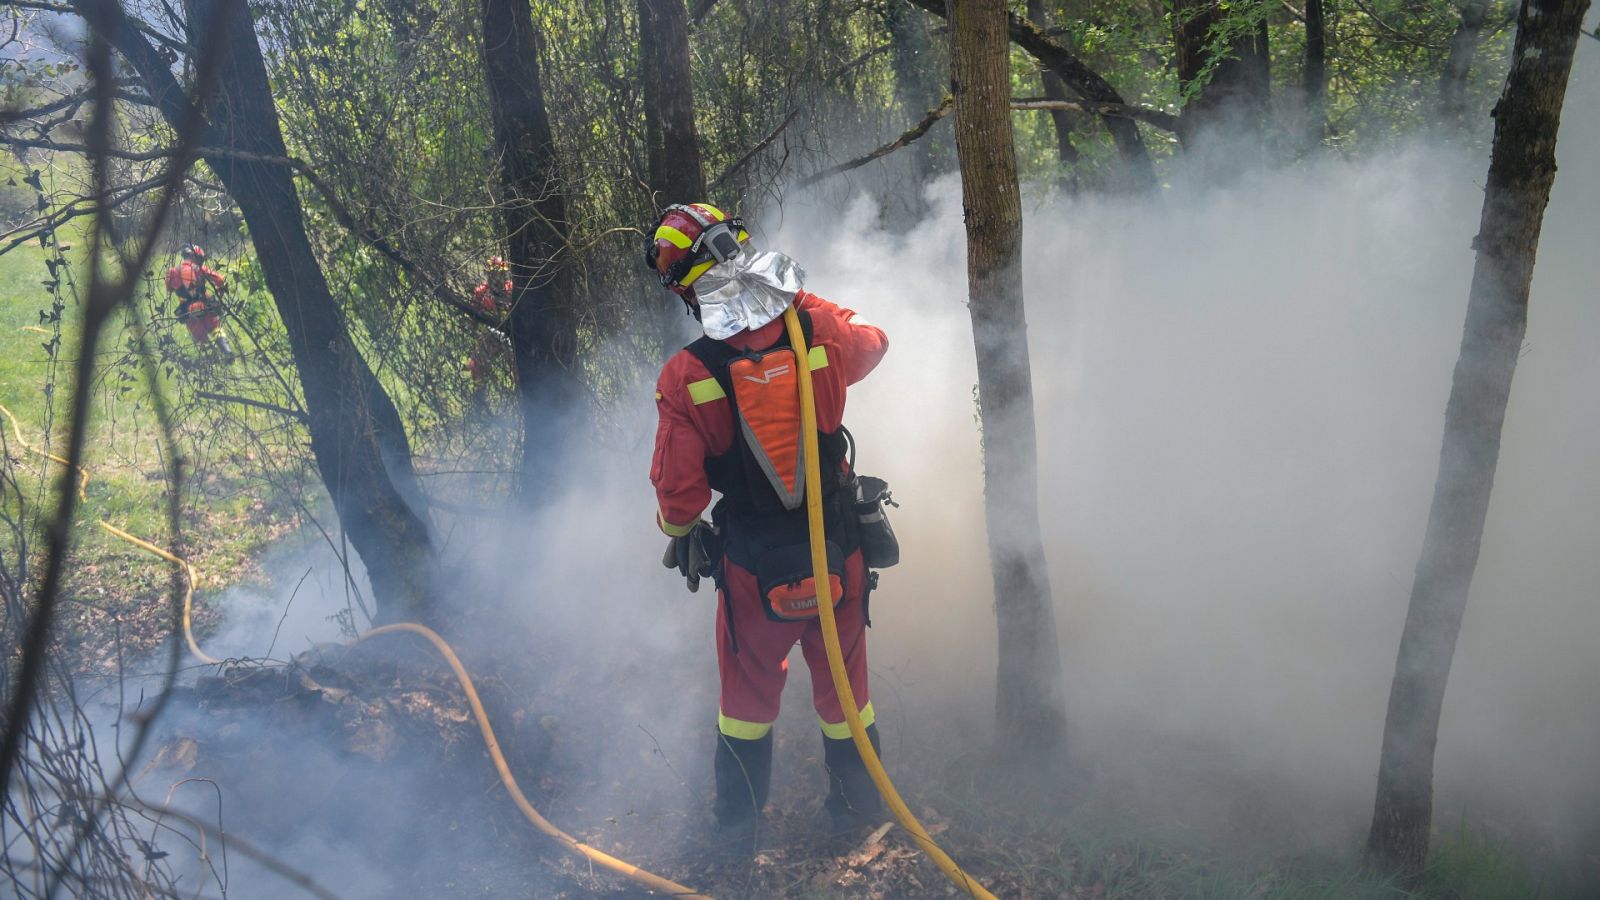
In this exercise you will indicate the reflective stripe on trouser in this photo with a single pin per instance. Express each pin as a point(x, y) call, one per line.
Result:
point(753, 677)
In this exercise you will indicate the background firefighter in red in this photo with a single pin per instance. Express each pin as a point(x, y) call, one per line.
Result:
point(197, 288)
point(492, 295)
point(728, 420)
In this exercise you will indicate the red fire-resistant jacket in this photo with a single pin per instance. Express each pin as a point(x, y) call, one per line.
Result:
point(188, 279)
point(696, 422)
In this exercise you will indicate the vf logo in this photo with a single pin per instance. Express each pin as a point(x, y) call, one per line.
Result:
point(767, 376)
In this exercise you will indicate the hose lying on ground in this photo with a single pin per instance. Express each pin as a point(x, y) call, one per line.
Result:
point(830, 628)
point(189, 578)
point(650, 880)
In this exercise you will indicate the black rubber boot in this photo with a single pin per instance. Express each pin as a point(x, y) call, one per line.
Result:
point(853, 799)
point(744, 772)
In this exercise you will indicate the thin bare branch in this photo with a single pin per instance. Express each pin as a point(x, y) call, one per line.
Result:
point(294, 414)
point(911, 134)
point(750, 154)
point(699, 11)
point(1164, 120)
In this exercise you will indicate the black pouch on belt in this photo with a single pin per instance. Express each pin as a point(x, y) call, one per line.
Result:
point(788, 588)
point(879, 548)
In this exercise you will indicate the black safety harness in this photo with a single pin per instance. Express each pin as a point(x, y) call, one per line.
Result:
point(755, 530)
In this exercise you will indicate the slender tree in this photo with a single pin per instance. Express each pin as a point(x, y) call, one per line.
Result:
point(1082, 80)
point(1028, 706)
point(1458, 64)
point(1314, 82)
point(1223, 64)
point(675, 171)
point(918, 87)
point(357, 438)
point(543, 321)
point(1060, 119)
point(1522, 168)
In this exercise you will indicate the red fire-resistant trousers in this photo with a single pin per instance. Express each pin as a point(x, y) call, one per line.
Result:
point(753, 656)
point(201, 321)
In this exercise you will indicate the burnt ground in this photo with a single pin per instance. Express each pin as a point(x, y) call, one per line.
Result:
point(363, 768)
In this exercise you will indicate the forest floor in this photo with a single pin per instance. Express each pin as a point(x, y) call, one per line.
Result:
point(364, 768)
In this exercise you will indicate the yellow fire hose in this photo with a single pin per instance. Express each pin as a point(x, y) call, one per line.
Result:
point(628, 870)
point(189, 579)
point(83, 474)
point(830, 629)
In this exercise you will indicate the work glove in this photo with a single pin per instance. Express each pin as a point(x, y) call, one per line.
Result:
point(688, 554)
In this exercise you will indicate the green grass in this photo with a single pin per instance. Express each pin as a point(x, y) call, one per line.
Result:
point(228, 518)
point(1469, 864)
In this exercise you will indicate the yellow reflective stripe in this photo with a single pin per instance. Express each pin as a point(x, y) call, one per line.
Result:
point(678, 238)
point(817, 358)
point(840, 731)
point(672, 530)
point(696, 272)
point(705, 390)
point(740, 729)
point(710, 210)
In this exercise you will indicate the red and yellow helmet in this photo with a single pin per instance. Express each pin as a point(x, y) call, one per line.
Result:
point(689, 239)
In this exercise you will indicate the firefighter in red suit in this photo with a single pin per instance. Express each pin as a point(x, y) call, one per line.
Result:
point(199, 309)
point(728, 410)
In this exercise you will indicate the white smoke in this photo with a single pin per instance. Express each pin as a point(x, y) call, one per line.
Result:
point(1240, 398)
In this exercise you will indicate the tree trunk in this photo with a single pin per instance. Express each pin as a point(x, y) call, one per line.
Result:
point(1522, 168)
point(1233, 100)
point(1060, 119)
point(1028, 705)
point(1315, 78)
point(533, 211)
point(1458, 63)
point(1084, 81)
point(354, 426)
point(676, 172)
point(918, 87)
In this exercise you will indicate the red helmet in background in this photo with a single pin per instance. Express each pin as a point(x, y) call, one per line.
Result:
point(688, 240)
point(194, 252)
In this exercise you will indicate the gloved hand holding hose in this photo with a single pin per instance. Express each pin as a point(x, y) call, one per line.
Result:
point(690, 554)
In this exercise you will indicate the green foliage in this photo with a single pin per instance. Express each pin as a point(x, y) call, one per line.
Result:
point(1471, 865)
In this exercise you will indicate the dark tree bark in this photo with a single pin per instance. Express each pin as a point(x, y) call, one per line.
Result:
point(1061, 120)
point(1522, 168)
point(354, 427)
point(1315, 78)
point(1235, 96)
point(543, 321)
point(1458, 63)
point(676, 173)
point(1082, 80)
point(1028, 705)
point(918, 85)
